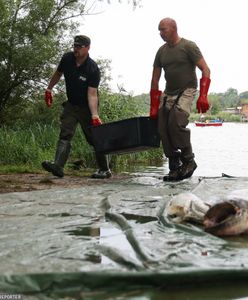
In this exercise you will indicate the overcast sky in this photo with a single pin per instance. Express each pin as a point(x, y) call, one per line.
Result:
point(130, 39)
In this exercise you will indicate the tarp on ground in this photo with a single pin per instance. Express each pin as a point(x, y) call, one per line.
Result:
point(114, 237)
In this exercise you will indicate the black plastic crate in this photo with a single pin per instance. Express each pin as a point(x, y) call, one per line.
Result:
point(125, 136)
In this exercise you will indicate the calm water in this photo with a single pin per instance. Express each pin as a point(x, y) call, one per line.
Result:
point(217, 150)
point(221, 149)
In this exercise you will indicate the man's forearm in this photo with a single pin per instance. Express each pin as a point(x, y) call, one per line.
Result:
point(154, 85)
point(202, 65)
point(93, 101)
point(54, 80)
point(155, 78)
point(206, 72)
point(93, 105)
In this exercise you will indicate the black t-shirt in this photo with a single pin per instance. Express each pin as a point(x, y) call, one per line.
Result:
point(78, 79)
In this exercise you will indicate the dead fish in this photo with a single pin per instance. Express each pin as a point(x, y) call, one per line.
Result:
point(227, 218)
point(186, 207)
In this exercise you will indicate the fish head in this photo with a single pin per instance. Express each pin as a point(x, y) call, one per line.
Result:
point(227, 218)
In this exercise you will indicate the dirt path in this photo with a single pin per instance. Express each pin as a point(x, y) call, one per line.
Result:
point(29, 182)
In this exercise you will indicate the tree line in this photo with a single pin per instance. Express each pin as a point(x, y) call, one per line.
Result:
point(218, 101)
point(34, 35)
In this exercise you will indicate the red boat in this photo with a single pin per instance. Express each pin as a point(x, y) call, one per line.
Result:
point(208, 123)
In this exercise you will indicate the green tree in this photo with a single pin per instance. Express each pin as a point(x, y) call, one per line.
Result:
point(114, 107)
point(33, 36)
point(230, 98)
point(244, 101)
point(214, 100)
point(243, 95)
point(105, 69)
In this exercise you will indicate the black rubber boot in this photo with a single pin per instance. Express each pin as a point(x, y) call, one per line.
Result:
point(188, 168)
point(173, 175)
point(61, 156)
point(189, 164)
point(104, 171)
point(174, 166)
point(101, 174)
point(51, 167)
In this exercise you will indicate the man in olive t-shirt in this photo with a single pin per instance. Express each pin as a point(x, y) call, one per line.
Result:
point(178, 58)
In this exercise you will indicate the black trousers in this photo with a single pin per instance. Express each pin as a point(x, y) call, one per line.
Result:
point(73, 115)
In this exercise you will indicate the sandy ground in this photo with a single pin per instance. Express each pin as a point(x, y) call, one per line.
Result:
point(29, 182)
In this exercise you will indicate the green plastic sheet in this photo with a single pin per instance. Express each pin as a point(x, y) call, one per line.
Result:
point(114, 240)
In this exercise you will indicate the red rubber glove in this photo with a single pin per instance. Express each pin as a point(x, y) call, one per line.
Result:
point(202, 102)
point(48, 98)
point(154, 103)
point(96, 121)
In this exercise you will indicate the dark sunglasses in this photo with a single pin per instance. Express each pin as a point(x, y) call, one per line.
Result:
point(78, 46)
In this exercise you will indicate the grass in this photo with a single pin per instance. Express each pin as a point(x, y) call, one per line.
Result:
point(23, 150)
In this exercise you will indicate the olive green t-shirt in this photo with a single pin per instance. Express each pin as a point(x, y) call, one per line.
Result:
point(179, 65)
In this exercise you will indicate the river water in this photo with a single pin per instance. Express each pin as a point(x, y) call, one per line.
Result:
point(221, 149)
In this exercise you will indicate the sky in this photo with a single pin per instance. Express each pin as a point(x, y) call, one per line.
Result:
point(130, 39)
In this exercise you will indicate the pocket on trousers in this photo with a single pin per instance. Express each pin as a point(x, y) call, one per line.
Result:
point(186, 100)
point(180, 116)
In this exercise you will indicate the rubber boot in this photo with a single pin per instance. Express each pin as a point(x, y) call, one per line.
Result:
point(103, 164)
point(189, 164)
point(174, 166)
point(61, 156)
point(188, 168)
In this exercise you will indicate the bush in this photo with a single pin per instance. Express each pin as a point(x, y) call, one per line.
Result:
point(33, 138)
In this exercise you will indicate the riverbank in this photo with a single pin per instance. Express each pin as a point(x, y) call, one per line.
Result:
point(15, 182)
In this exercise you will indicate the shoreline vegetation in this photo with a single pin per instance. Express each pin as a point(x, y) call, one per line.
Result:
point(30, 136)
point(226, 117)
point(23, 149)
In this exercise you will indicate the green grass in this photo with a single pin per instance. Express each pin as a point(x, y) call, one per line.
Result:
point(23, 150)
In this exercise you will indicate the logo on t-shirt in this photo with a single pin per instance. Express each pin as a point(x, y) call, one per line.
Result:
point(82, 78)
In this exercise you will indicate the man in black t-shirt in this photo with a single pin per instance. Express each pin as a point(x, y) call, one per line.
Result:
point(82, 78)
